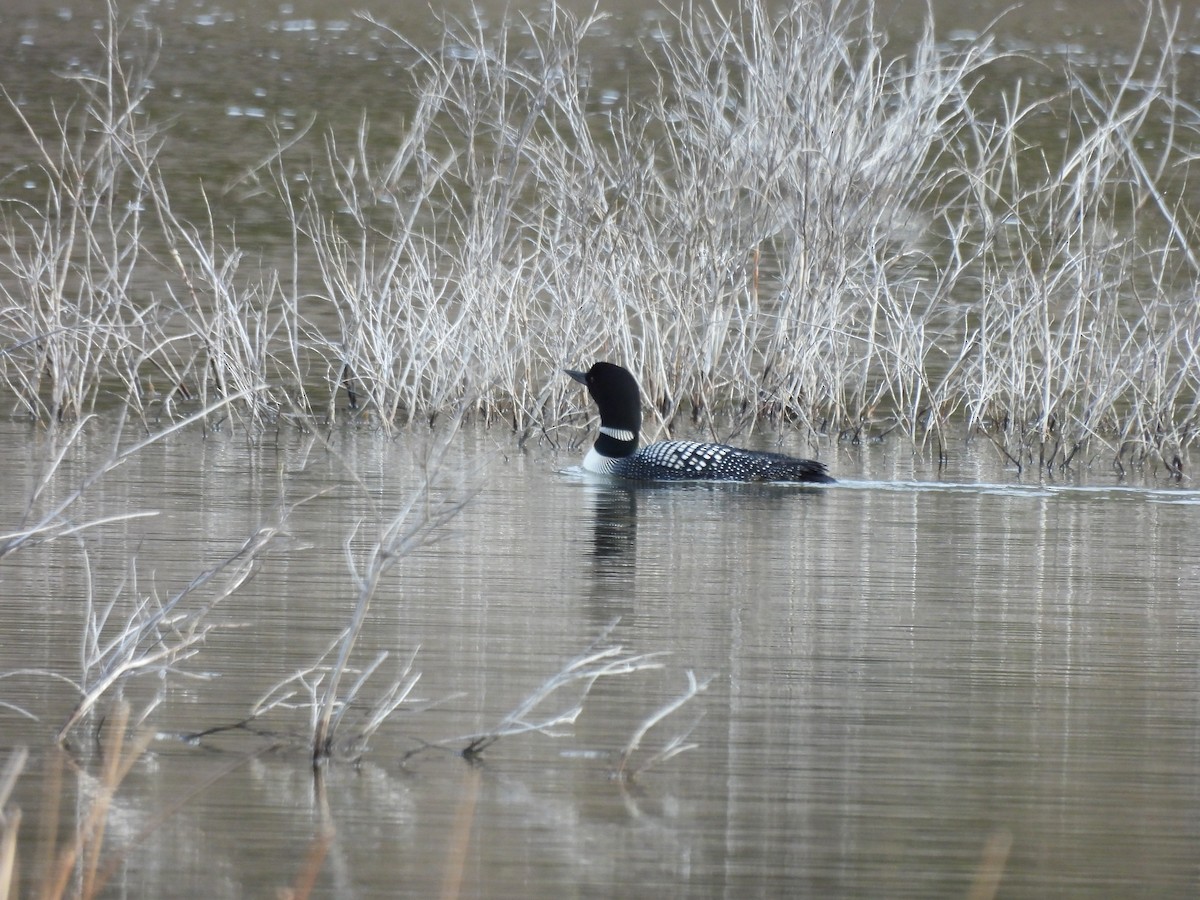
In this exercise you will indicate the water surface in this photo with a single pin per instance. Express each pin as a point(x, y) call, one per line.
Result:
point(904, 667)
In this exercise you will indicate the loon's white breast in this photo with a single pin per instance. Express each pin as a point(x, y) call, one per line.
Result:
point(597, 462)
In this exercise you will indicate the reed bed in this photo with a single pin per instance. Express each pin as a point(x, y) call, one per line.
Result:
point(797, 222)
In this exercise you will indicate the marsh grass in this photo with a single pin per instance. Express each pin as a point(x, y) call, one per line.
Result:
point(797, 223)
point(49, 510)
point(328, 689)
point(134, 631)
point(87, 319)
point(85, 853)
point(81, 866)
point(746, 236)
point(147, 634)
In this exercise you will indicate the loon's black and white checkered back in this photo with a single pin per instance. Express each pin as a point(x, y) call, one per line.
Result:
point(693, 460)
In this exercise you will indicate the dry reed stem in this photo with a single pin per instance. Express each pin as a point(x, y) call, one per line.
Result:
point(8, 777)
point(454, 866)
point(577, 676)
point(314, 859)
point(48, 821)
point(8, 851)
point(417, 523)
point(116, 856)
point(10, 820)
point(991, 865)
point(85, 850)
point(674, 746)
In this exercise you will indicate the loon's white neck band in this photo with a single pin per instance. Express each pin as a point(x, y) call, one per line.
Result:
point(618, 434)
point(595, 461)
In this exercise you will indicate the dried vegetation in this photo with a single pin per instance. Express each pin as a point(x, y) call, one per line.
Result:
point(797, 221)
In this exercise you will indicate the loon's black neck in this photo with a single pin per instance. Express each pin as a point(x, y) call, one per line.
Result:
point(616, 442)
point(616, 393)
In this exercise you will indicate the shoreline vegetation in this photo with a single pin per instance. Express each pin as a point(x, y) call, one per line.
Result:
point(797, 225)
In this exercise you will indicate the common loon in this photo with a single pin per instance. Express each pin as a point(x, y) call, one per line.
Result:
point(616, 449)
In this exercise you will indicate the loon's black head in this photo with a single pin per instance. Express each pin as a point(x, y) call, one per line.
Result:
point(615, 391)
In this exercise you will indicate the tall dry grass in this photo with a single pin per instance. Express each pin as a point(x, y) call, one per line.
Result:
point(795, 220)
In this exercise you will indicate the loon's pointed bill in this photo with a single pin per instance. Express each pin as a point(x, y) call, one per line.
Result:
point(616, 393)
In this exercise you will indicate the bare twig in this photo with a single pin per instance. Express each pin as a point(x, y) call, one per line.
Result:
point(674, 746)
point(578, 675)
point(157, 635)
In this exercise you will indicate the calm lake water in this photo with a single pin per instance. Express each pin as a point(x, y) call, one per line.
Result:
point(905, 668)
point(919, 680)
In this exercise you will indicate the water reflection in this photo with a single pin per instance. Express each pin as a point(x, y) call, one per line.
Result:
point(611, 585)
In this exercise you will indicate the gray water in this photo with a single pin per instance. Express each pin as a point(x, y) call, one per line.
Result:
point(920, 679)
point(905, 668)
